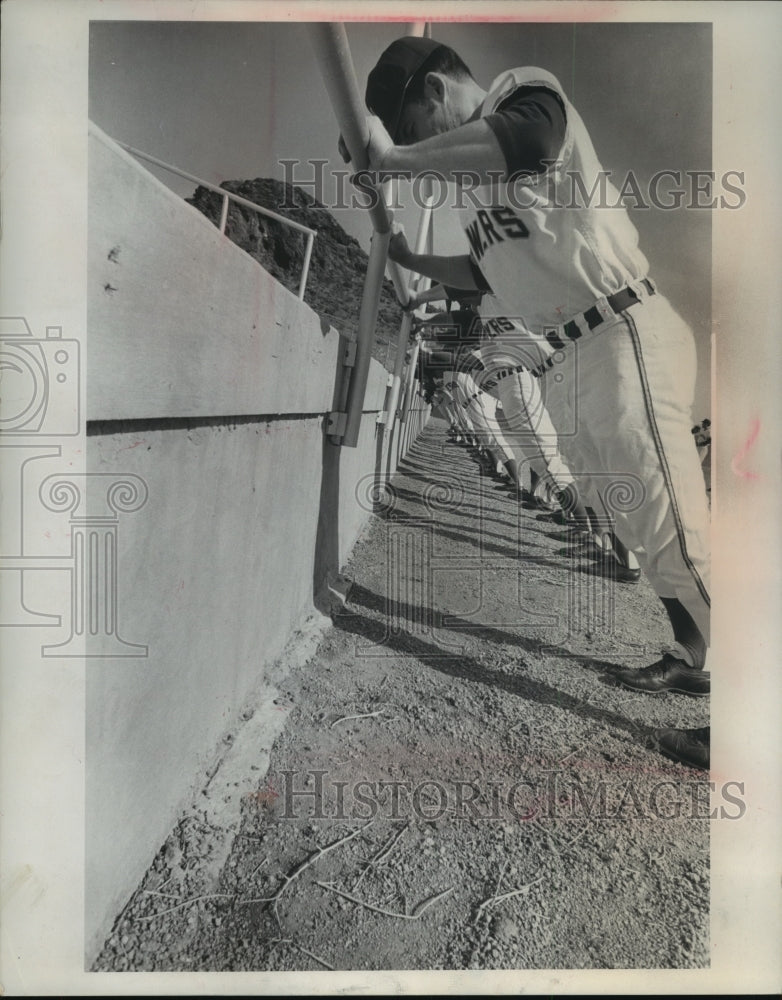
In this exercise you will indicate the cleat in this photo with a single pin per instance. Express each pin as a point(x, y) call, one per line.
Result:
point(557, 516)
point(667, 674)
point(607, 566)
point(532, 502)
point(687, 746)
point(573, 536)
point(583, 547)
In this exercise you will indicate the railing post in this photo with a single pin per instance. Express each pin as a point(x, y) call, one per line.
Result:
point(305, 268)
point(370, 302)
point(224, 214)
point(399, 362)
point(421, 242)
point(407, 399)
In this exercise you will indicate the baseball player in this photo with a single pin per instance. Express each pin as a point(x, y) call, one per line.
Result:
point(515, 410)
point(702, 434)
point(462, 369)
point(573, 270)
point(511, 373)
point(557, 381)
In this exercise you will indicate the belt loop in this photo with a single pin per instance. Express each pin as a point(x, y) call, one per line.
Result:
point(604, 308)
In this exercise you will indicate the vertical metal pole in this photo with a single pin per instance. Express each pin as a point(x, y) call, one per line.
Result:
point(224, 213)
point(421, 241)
point(370, 301)
point(305, 270)
point(422, 285)
point(399, 362)
point(407, 400)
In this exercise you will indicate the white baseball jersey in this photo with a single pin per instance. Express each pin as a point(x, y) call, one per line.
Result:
point(547, 245)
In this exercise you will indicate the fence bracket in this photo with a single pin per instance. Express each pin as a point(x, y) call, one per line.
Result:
point(348, 353)
point(336, 423)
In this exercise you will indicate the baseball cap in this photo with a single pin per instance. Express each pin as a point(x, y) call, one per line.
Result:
point(394, 71)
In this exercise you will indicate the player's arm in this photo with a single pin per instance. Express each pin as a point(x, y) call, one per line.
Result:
point(524, 135)
point(436, 293)
point(472, 148)
point(456, 272)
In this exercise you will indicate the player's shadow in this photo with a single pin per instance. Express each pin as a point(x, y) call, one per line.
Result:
point(464, 667)
point(413, 615)
point(476, 514)
point(326, 560)
point(516, 550)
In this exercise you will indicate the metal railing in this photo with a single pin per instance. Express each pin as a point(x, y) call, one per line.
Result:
point(229, 196)
point(392, 408)
point(330, 43)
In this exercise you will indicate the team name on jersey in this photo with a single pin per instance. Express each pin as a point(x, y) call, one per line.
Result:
point(496, 325)
point(494, 225)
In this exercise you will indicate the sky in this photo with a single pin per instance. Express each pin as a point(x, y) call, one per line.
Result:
point(230, 101)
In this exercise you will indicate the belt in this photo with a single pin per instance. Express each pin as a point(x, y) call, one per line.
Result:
point(506, 372)
point(591, 319)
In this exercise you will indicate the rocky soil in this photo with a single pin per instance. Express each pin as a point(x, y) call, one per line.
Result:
point(482, 794)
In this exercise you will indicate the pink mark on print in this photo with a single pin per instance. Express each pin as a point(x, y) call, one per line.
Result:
point(745, 449)
point(129, 447)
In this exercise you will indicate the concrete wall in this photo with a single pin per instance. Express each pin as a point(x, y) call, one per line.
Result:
point(210, 381)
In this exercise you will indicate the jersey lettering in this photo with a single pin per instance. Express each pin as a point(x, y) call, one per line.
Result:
point(512, 226)
point(474, 238)
point(482, 233)
point(488, 229)
point(498, 324)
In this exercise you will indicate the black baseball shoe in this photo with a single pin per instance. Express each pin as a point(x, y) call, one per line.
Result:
point(608, 566)
point(687, 746)
point(530, 501)
point(557, 516)
point(573, 535)
point(667, 674)
point(581, 545)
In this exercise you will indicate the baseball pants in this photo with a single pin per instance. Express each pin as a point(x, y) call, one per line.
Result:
point(633, 381)
point(481, 411)
point(533, 434)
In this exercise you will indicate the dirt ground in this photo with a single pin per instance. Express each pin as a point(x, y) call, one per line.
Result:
point(482, 794)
